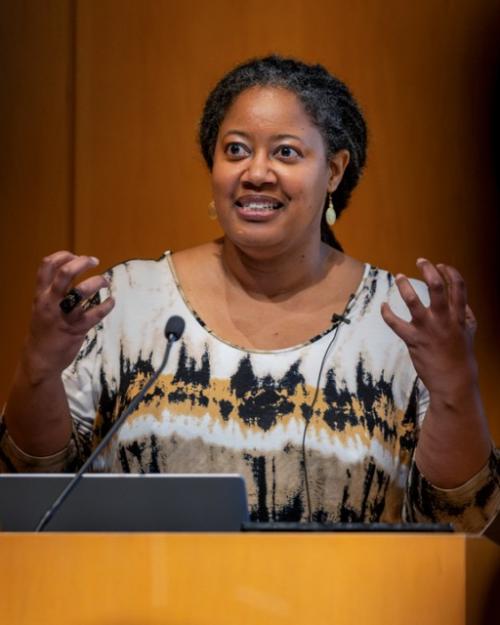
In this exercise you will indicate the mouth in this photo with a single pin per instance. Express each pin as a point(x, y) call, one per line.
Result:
point(258, 204)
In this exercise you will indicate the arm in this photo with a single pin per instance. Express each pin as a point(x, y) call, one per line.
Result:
point(37, 415)
point(454, 442)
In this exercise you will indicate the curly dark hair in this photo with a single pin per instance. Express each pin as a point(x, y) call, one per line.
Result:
point(326, 100)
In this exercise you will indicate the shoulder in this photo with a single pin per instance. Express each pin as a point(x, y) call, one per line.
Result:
point(380, 285)
point(145, 293)
point(138, 273)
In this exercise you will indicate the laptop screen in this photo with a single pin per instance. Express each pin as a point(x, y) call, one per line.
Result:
point(126, 502)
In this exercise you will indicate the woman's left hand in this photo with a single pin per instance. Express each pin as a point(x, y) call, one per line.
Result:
point(454, 442)
point(439, 337)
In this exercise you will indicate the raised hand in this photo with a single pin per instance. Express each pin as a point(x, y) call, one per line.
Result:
point(454, 441)
point(55, 337)
point(439, 337)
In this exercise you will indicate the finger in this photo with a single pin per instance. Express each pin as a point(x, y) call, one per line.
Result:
point(401, 327)
point(80, 321)
point(470, 320)
point(446, 278)
point(50, 264)
point(90, 286)
point(80, 294)
point(438, 290)
point(68, 272)
point(457, 290)
point(410, 297)
point(70, 301)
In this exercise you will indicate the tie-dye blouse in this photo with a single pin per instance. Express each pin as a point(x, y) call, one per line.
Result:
point(219, 408)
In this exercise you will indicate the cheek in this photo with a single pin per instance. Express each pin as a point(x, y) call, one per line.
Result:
point(311, 193)
point(309, 187)
point(309, 177)
point(224, 178)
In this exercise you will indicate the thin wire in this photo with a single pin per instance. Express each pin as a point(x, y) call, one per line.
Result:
point(337, 321)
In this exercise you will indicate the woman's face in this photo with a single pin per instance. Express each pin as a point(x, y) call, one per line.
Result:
point(271, 173)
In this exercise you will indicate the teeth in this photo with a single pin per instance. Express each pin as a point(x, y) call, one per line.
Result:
point(254, 206)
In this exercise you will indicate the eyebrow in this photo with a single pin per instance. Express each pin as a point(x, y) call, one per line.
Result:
point(273, 137)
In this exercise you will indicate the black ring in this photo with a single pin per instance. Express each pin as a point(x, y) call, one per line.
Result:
point(70, 301)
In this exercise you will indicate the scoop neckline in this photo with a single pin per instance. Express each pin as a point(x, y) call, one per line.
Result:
point(349, 307)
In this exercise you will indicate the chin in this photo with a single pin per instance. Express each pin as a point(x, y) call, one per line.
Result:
point(265, 246)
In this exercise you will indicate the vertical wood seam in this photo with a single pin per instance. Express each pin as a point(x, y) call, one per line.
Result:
point(71, 90)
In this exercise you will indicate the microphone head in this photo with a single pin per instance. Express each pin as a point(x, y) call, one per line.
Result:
point(174, 328)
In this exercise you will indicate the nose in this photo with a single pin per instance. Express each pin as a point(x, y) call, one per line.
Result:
point(259, 170)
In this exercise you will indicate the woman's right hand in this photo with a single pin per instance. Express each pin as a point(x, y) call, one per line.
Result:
point(55, 337)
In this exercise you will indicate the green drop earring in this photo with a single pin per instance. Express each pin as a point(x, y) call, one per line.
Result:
point(330, 215)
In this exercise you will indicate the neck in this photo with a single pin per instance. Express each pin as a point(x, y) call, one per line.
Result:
point(278, 275)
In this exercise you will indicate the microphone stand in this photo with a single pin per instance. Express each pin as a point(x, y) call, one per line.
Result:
point(173, 331)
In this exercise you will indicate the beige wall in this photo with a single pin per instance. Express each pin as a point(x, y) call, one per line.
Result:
point(98, 125)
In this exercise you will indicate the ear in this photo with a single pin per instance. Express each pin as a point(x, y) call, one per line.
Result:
point(337, 166)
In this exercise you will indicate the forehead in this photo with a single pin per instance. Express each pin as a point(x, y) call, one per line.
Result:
point(274, 109)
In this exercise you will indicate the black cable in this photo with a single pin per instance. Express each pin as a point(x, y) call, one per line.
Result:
point(337, 320)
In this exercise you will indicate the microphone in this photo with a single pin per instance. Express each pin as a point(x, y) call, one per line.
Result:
point(173, 332)
point(336, 319)
point(174, 328)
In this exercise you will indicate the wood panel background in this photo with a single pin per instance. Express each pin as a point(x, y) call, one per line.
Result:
point(99, 111)
point(36, 155)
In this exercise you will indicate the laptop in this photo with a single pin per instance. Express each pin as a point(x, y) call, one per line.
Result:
point(125, 502)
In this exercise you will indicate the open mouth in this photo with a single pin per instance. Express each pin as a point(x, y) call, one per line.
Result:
point(258, 205)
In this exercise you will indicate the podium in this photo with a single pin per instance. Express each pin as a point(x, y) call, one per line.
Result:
point(248, 579)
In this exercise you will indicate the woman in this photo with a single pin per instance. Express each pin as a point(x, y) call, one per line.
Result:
point(326, 382)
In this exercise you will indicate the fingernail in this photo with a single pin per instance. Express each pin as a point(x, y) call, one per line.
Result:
point(95, 261)
point(421, 260)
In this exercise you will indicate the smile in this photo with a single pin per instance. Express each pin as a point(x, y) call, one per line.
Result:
point(258, 204)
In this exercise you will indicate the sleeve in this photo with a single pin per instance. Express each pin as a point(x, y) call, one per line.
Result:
point(470, 507)
point(15, 460)
point(82, 385)
point(83, 382)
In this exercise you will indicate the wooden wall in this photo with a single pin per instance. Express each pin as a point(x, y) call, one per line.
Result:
point(98, 114)
point(36, 156)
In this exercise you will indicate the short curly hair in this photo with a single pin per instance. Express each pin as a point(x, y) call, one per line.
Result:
point(325, 98)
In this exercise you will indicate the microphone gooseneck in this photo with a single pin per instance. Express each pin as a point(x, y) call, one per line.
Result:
point(173, 332)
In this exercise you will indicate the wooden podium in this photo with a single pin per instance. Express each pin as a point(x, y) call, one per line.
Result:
point(243, 579)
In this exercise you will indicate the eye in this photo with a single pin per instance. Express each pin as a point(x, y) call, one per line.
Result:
point(288, 153)
point(236, 150)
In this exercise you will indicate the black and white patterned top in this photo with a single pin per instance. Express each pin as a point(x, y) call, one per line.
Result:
point(220, 408)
